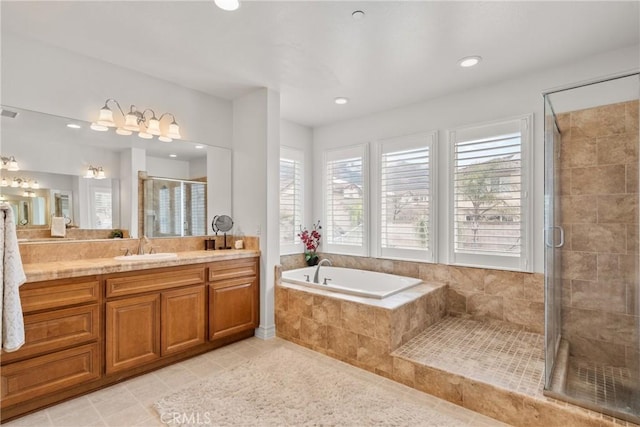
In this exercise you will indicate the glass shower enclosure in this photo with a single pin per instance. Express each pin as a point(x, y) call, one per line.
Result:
point(592, 292)
point(174, 207)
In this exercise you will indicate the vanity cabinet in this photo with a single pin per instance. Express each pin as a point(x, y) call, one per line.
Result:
point(90, 332)
point(157, 316)
point(62, 347)
point(233, 297)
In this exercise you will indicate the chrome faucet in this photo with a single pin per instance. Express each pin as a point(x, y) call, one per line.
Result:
point(141, 244)
point(315, 276)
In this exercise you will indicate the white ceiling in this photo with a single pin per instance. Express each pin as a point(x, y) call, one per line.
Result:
point(312, 52)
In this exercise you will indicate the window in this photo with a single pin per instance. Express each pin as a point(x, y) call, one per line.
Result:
point(100, 206)
point(490, 224)
point(291, 199)
point(404, 188)
point(345, 201)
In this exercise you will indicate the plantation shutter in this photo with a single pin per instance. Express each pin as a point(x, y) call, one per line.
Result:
point(489, 191)
point(291, 198)
point(405, 198)
point(345, 200)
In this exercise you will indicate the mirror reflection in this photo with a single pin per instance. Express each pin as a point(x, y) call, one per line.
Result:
point(91, 178)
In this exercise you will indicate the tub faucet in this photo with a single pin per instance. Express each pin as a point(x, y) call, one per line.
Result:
point(141, 244)
point(322, 261)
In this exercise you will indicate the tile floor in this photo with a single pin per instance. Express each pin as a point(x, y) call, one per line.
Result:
point(130, 403)
point(509, 358)
point(602, 385)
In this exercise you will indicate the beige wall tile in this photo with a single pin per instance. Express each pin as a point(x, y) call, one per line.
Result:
point(314, 333)
point(618, 149)
point(444, 385)
point(578, 265)
point(598, 180)
point(281, 296)
point(456, 301)
point(467, 279)
point(357, 318)
point(632, 178)
point(538, 412)
point(578, 322)
point(631, 117)
point(374, 353)
point(326, 310)
point(342, 342)
point(509, 284)
point(609, 295)
point(632, 238)
point(406, 268)
point(300, 303)
point(600, 121)
point(622, 208)
point(482, 306)
point(578, 209)
point(404, 371)
point(564, 123)
point(597, 351)
point(564, 185)
point(382, 329)
point(526, 313)
point(608, 267)
point(578, 152)
point(534, 287)
point(492, 401)
point(599, 238)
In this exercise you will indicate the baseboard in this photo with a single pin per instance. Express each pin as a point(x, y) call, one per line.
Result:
point(266, 332)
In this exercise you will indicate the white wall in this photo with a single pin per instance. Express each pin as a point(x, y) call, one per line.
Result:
point(168, 168)
point(507, 99)
point(300, 137)
point(256, 160)
point(46, 78)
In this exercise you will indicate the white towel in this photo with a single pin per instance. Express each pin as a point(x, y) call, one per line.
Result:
point(58, 226)
point(12, 274)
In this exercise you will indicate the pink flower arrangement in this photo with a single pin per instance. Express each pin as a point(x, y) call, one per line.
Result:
point(311, 240)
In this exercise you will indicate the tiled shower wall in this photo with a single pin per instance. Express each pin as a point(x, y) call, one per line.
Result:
point(483, 294)
point(599, 213)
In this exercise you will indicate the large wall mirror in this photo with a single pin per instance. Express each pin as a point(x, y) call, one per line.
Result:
point(55, 155)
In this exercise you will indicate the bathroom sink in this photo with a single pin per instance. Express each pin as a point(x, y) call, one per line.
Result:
point(147, 257)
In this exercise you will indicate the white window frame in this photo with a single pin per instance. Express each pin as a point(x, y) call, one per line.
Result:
point(361, 150)
point(422, 140)
point(523, 124)
point(296, 155)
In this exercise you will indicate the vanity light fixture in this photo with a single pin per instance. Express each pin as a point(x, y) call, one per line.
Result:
point(228, 5)
point(469, 61)
point(95, 173)
point(144, 122)
point(9, 163)
point(28, 193)
point(20, 183)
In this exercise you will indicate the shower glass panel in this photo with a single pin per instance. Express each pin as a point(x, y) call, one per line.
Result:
point(174, 208)
point(592, 292)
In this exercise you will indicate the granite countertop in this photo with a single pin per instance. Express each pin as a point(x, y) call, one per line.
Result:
point(37, 272)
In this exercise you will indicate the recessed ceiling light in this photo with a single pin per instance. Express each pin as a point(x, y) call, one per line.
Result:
point(341, 100)
point(358, 15)
point(73, 126)
point(173, 155)
point(469, 61)
point(199, 146)
point(229, 5)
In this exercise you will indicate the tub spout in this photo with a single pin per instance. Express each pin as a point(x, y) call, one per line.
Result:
point(315, 276)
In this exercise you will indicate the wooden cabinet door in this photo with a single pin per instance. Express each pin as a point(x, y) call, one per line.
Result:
point(183, 319)
point(48, 374)
point(232, 306)
point(132, 332)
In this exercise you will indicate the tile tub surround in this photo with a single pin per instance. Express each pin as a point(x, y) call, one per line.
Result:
point(478, 293)
point(360, 331)
point(71, 250)
point(599, 212)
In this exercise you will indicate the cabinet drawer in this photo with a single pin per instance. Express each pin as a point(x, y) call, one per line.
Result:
point(59, 293)
point(35, 377)
point(222, 270)
point(153, 281)
point(57, 329)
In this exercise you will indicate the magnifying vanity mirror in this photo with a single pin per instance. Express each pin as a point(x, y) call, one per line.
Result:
point(90, 178)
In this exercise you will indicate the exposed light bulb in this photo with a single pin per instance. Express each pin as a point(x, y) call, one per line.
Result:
point(99, 128)
point(123, 131)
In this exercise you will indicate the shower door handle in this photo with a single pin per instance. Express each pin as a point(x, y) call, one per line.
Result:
point(552, 244)
point(561, 244)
